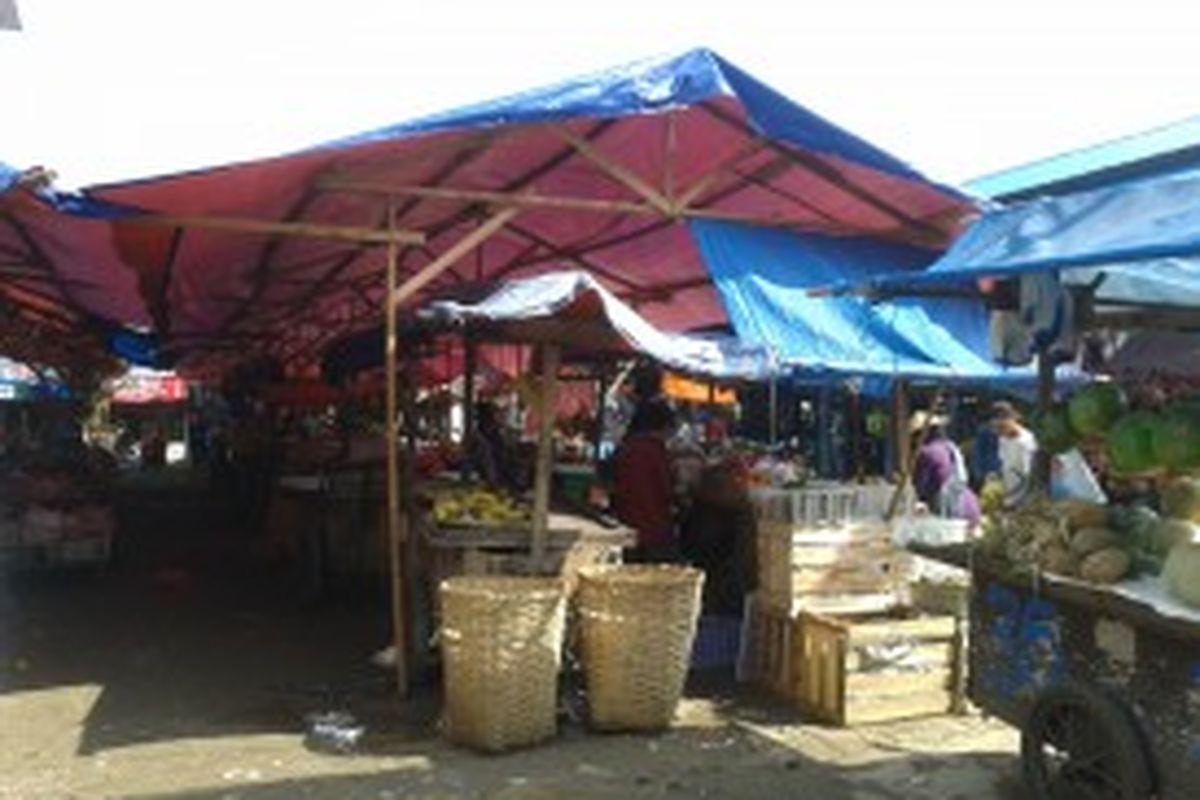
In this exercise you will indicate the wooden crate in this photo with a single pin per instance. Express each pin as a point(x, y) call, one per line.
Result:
point(767, 648)
point(851, 671)
point(850, 569)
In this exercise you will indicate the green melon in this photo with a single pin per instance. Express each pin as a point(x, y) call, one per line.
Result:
point(1054, 432)
point(1094, 409)
point(1131, 444)
point(1176, 437)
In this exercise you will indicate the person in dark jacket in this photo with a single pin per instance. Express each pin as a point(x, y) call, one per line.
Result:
point(643, 490)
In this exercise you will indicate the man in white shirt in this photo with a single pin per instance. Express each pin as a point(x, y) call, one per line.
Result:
point(1017, 447)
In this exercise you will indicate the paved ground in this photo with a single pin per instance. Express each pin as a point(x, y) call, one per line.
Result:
point(187, 674)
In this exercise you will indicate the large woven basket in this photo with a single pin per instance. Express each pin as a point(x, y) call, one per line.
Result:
point(638, 625)
point(501, 651)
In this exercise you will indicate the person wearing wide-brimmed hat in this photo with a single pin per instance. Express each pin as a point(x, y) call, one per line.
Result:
point(940, 473)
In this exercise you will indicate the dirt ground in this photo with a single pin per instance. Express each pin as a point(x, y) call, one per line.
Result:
point(187, 672)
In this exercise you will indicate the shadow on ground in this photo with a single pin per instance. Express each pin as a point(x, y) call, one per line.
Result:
point(189, 635)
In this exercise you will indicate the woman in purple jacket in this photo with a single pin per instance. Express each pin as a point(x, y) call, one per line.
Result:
point(940, 476)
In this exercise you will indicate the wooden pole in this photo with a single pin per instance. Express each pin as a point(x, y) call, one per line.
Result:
point(773, 411)
point(395, 545)
point(1042, 460)
point(601, 412)
point(548, 402)
point(447, 259)
point(618, 172)
point(518, 199)
point(903, 454)
point(854, 422)
point(468, 395)
point(418, 619)
point(347, 233)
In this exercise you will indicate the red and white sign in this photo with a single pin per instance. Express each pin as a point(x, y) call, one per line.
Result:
point(136, 387)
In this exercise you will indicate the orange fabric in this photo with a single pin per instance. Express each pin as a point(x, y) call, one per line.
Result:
point(679, 387)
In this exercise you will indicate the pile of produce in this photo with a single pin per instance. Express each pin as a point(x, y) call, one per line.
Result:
point(1099, 544)
point(1151, 440)
point(1158, 434)
point(476, 505)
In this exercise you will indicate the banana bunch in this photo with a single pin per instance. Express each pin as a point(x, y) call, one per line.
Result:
point(477, 506)
point(991, 496)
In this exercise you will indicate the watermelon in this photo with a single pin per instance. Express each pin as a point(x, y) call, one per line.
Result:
point(1131, 444)
point(1094, 409)
point(1176, 439)
point(1054, 431)
point(1135, 523)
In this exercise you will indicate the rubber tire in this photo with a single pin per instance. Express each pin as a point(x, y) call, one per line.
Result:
point(1130, 761)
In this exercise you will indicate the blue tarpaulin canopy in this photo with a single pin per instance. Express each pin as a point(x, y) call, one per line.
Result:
point(764, 277)
point(1143, 236)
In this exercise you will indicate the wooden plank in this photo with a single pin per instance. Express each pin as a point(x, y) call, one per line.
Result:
point(846, 604)
point(865, 686)
point(850, 555)
point(836, 580)
point(933, 654)
point(450, 256)
point(886, 709)
point(548, 403)
point(311, 230)
point(923, 628)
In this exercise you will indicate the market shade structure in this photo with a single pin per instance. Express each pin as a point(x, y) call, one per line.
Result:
point(598, 173)
point(1142, 237)
point(66, 297)
point(765, 277)
point(574, 310)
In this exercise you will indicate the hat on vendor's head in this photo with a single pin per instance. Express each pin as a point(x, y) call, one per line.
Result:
point(925, 420)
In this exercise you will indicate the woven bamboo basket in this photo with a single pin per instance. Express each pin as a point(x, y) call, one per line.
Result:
point(638, 627)
point(502, 643)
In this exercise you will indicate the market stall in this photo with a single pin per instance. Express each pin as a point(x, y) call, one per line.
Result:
point(1085, 607)
point(566, 314)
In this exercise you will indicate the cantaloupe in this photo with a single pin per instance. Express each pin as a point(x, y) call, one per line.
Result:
point(1181, 572)
point(1180, 499)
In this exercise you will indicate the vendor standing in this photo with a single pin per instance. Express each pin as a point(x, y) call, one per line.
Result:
point(643, 490)
point(940, 475)
point(489, 456)
point(1016, 447)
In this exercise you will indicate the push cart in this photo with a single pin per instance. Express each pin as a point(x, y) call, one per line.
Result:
point(1105, 688)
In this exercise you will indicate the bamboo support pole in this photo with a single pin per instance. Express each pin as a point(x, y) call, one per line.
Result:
point(904, 453)
point(548, 402)
point(394, 519)
point(519, 199)
point(310, 230)
point(618, 172)
point(447, 259)
point(773, 410)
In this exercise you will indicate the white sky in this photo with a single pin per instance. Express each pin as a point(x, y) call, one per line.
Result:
point(110, 89)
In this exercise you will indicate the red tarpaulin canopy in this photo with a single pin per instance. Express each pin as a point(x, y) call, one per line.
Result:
point(600, 173)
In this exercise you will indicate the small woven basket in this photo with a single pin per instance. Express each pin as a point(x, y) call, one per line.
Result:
point(502, 643)
point(638, 627)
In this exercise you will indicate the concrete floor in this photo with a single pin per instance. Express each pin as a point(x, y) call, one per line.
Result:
point(187, 673)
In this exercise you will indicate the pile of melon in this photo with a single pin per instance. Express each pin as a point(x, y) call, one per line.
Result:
point(1137, 442)
point(1106, 544)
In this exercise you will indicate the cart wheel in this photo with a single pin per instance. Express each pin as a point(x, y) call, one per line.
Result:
point(1080, 745)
